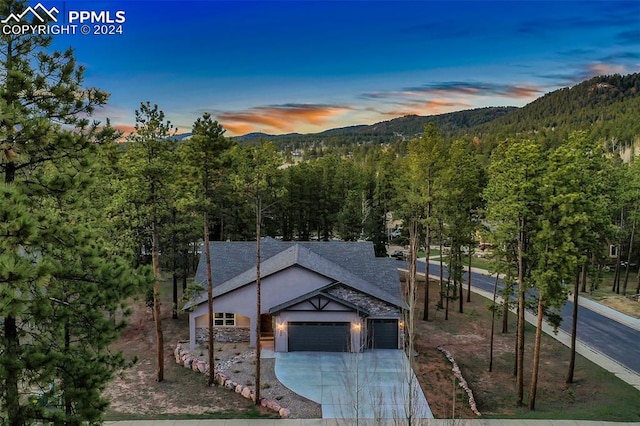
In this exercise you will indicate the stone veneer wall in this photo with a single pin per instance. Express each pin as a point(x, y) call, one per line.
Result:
point(224, 334)
point(375, 306)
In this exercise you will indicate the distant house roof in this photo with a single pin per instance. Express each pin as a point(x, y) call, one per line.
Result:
point(353, 264)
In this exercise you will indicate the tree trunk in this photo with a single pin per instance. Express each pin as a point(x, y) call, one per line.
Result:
point(469, 276)
point(174, 249)
point(461, 301)
point(410, 330)
point(505, 316)
point(583, 278)
point(493, 322)
point(521, 301)
point(155, 259)
point(626, 274)
point(440, 225)
point(574, 329)
point(207, 256)
point(258, 300)
point(185, 272)
point(446, 301)
point(616, 276)
point(425, 312)
point(536, 356)
point(505, 304)
point(515, 350)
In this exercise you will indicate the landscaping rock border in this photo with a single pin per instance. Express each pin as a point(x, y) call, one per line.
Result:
point(461, 381)
point(184, 357)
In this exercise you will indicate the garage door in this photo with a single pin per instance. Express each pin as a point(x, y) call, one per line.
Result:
point(383, 333)
point(319, 336)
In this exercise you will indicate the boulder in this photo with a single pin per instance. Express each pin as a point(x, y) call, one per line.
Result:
point(273, 405)
point(221, 379)
point(284, 413)
point(246, 392)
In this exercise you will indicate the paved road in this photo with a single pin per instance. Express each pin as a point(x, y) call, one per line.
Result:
point(616, 340)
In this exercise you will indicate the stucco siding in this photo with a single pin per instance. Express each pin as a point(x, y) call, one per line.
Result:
point(275, 289)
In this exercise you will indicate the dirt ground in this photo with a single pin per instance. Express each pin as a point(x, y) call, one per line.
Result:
point(135, 390)
point(136, 393)
point(466, 336)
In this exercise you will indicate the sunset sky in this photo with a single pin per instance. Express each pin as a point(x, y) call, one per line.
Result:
point(304, 66)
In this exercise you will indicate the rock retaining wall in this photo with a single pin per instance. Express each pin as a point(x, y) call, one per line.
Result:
point(185, 358)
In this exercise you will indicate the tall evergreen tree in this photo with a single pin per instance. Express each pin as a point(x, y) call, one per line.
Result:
point(256, 179)
point(573, 217)
point(204, 155)
point(515, 174)
point(59, 280)
point(149, 162)
point(429, 153)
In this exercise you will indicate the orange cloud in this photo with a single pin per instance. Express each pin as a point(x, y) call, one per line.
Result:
point(521, 91)
point(279, 118)
point(239, 128)
point(605, 69)
point(463, 88)
point(430, 107)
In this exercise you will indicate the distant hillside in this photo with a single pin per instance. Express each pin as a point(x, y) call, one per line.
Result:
point(605, 106)
point(398, 129)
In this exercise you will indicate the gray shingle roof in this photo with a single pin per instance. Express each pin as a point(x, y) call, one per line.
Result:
point(353, 264)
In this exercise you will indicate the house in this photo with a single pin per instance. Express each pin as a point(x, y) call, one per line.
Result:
point(315, 296)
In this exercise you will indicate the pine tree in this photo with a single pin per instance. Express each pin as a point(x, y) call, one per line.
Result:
point(256, 179)
point(59, 283)
point(204, 156)
point(515, 175)
point(149, 164)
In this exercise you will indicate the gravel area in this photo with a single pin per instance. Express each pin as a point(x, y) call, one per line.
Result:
point(238, 362)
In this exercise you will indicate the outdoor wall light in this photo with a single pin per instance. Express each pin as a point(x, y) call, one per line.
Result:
point(401, 324)
point(281, 326)
point(356, 326)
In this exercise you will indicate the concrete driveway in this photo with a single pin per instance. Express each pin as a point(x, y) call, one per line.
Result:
point(370, 385)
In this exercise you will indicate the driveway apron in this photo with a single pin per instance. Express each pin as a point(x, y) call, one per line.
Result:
point(376, 384)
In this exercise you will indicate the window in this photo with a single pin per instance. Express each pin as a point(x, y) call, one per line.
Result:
point(224, 318)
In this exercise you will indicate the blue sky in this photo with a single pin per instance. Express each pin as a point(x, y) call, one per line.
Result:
point(304, 66)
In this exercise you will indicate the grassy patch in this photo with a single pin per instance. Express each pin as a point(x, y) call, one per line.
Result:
point(603, 294)
point(251, 413)
point(476, 262)
point(595, 394)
